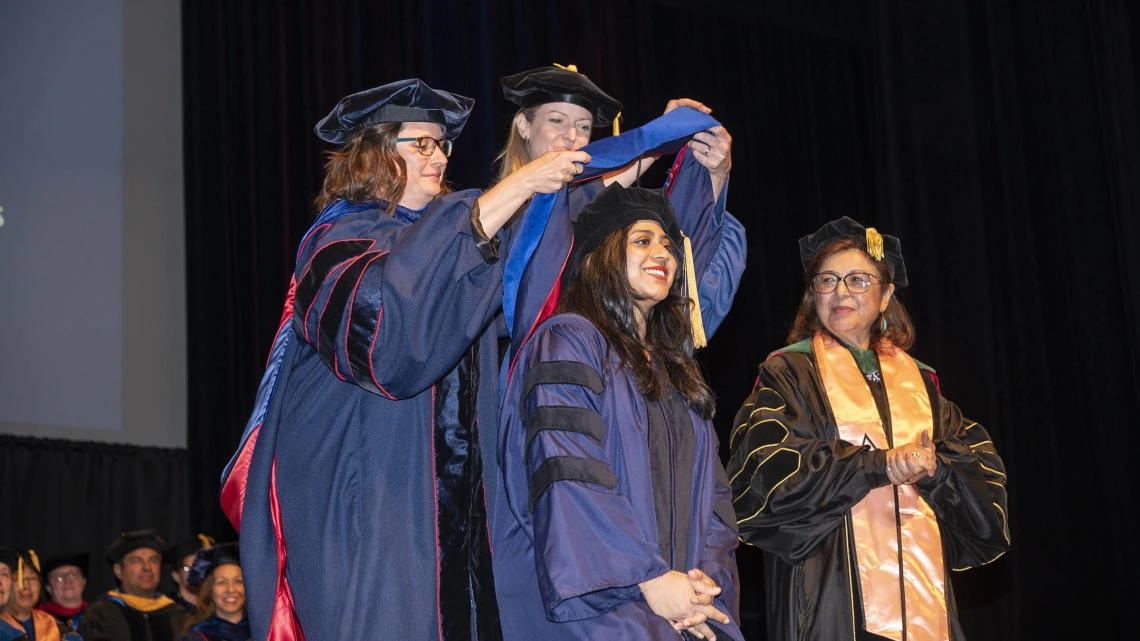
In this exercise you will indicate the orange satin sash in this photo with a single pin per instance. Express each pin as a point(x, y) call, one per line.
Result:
point(875, 524)
point(46, 627)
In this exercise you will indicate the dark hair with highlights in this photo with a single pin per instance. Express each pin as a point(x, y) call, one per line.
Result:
point(602, 294)
point(900, 329)
point(367, 169)
point(206, 609)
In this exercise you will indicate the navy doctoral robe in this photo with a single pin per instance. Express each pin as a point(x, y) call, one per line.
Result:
point(601, 490)
point(358, 488)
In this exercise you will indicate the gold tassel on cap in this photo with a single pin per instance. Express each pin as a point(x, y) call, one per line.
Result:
point(874, 243)
point(617, 130)
point(573, 68)
point(35, 559)
point(699, 339)
point(19, 571)
point(207, 542)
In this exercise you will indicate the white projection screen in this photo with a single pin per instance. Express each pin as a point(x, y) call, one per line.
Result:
point(92, 275)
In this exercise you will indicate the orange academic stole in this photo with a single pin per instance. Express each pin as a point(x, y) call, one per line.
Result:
point(873, 520)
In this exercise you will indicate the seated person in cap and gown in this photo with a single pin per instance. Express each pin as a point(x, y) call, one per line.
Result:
point(364, 440)
point(19, 618)
point(221, 615)
point(7, 560)
point(615, 521)
point(861, 510)
point(559, 109)
point(65, 578)
point(180, 556)
point(136, 611)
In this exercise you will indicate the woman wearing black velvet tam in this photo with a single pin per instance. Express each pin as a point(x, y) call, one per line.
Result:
point(616, 522)
point(221, 613)
point(358, 485)
point(559, 109)
point(861, 483)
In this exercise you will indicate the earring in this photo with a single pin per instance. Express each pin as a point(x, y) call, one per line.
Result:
point(884, 324)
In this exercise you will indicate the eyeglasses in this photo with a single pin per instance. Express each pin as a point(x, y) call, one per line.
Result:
point(64, 577)
point(426, 145)
point(857, 282)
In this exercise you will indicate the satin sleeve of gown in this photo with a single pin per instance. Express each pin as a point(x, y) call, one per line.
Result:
point(793, 480)
point(590, 550)
point(720, 248)
point(391, 306)
point(967, 492)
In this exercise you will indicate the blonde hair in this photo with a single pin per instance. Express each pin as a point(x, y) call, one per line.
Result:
point(516, 152)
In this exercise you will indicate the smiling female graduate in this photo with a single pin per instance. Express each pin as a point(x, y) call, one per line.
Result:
point(616, 522)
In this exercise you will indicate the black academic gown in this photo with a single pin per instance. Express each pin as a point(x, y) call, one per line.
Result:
point(799, 514)
point(110, 619)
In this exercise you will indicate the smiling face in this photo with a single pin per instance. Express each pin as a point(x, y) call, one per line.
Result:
point(557, 126)
point(650, 265)
point(228, 592)
point(424, 173)
point(846, 314)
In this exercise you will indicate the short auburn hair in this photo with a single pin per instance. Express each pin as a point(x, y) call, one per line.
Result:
point(367, 168)
point(900, 329)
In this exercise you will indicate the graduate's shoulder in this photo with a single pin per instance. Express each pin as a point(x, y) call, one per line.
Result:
point(568, 337)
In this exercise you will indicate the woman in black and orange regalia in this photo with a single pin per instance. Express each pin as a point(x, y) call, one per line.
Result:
point(863, 486)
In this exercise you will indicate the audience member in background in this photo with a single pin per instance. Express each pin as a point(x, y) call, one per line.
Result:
point(65, 578)
point(181, 557)
point(136, 611)
point(7, 576)
point(221, 615)
point(19, 618)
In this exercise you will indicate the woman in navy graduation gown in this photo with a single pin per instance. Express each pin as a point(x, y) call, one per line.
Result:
point(221, 612)
point(357, 487)
point(616, 522)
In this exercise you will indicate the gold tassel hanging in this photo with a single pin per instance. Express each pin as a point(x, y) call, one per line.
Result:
point(35, 560)
point(699, 339)
point(874, 243)
point(617, 129)
point(206, 541)
point(19, 571)
point(573, 68)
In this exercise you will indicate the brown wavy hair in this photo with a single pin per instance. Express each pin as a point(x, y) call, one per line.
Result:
point(206, 608)
point(516, 152)
point(900, 329)
point(366, 169)
point(602, 294)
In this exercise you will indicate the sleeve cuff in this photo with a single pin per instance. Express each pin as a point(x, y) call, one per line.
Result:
point(876, 469)
point(488, 247)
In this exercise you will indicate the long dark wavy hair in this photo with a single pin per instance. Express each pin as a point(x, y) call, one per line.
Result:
point(602, 294)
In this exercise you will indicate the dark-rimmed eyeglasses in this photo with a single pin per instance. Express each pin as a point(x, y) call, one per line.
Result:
point(427, 145)
point(857, 282)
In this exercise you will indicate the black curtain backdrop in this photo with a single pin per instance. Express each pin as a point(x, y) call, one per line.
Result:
point(68, 497)
point(998, 140)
